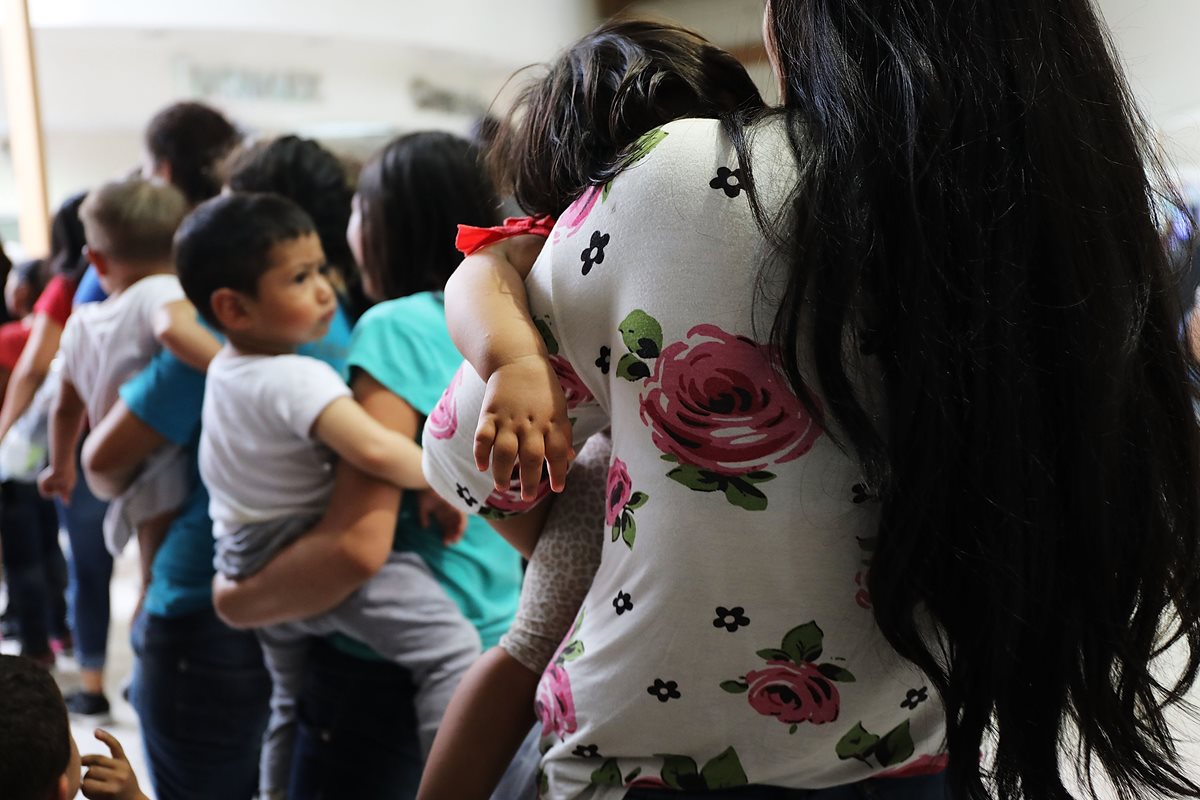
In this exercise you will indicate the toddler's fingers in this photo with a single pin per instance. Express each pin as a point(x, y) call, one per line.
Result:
point(113, 745)
point(95, 761)
point(485, 437)
point(558, 459)
point(533, 454)
point(504, 458)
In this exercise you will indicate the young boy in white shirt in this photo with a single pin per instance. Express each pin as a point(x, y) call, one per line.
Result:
point(129, 226)
point(253, 266)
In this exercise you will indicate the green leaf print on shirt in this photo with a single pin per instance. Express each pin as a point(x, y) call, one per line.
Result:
point(894, 747)
point(645, 144)
point(543, 328)
point(723, 771)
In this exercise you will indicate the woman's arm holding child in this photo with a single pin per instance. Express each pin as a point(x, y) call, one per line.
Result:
point(66, 424)
point(524, 418)
point(356, 436)
point(177, 328)
point(345, 548)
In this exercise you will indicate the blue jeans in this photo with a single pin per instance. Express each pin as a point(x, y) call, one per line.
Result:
point(91, 570)
point(201, 694)
point(33, 565)
point(356, 733)
point(930, 787)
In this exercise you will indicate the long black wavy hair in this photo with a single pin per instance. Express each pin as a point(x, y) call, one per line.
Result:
point(975, 223)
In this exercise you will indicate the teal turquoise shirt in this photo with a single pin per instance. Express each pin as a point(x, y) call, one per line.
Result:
point(405, 346)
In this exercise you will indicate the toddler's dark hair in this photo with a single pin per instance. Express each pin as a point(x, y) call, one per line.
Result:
point(191, 138)
point(35, 738)
point(574, 128)
point(226, 244)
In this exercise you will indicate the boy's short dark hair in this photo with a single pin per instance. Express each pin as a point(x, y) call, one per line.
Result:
point(35, 736)
point(226, 244)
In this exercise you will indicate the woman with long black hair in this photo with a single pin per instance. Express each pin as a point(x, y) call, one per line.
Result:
point(892, 370)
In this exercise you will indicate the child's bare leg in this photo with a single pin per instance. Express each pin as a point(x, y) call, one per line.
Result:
point(490, 715)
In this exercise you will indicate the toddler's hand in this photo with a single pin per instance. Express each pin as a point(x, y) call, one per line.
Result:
point(434, 510)
point(53, 483)
point(524, 423)
point(110, 778)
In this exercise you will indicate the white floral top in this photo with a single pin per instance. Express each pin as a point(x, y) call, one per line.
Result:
point(727, 638)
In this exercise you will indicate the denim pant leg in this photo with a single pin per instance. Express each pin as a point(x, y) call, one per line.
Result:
point(90, 572)
point(29, 537)
point(201, 694)
point(356, 732)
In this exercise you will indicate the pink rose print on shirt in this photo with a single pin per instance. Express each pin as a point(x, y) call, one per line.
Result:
point(576, 391)
point(793, 687)
point(793, 693)
point(505, 503)
point(443, 420)
point(576, 214)
point(717, 407)
point(555, 705)
point(620, 503)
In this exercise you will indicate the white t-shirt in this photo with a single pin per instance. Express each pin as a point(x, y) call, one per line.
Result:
point(105, 344)
point(257, 455)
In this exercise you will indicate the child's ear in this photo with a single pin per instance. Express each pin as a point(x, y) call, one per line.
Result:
point(230, 308)
point(62, 791)
point(97, 259)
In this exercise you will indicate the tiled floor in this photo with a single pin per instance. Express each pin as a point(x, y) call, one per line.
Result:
point(125, 727)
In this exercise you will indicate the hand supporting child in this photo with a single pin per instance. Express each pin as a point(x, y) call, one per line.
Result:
point(110, 778)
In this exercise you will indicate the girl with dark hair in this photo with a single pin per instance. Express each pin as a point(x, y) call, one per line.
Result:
point(355, 733)
point(892, 372)
point(185, 142)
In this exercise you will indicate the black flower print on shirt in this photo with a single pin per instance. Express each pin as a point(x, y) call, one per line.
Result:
point(728, 180)
point(604, 362)
point(915, 697)
point(665, 691)
point(623, 602)
point(594, 253)
point(464, 494)
point(731, 618)
point(587, 751)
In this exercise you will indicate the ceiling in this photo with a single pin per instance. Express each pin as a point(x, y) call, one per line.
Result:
point(384, 66)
